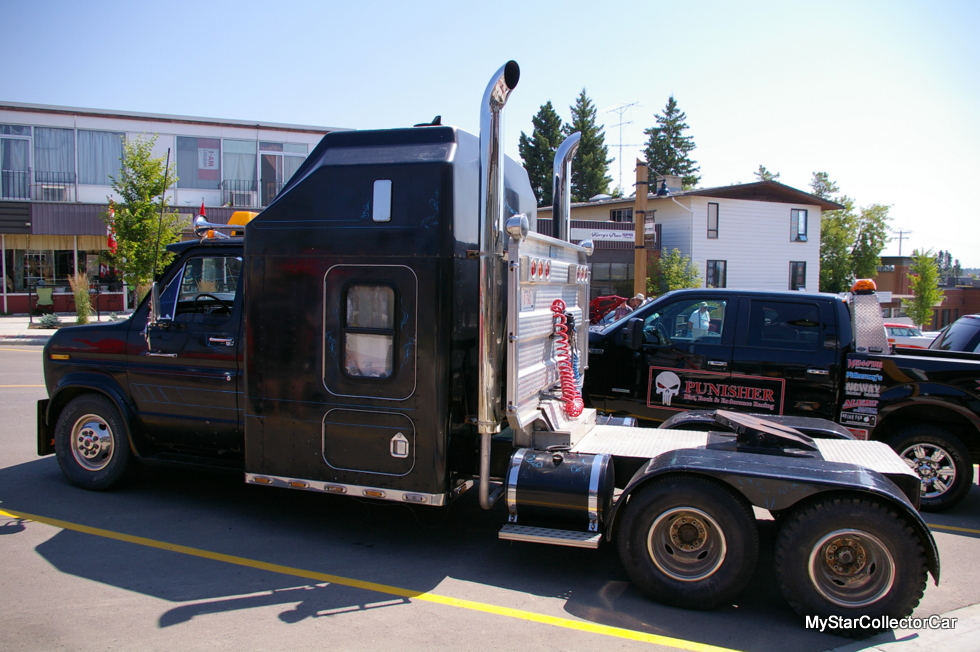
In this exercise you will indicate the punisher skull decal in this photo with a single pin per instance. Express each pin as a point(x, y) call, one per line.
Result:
point(668, 385)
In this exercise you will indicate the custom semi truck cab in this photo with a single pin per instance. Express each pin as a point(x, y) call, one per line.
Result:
point(795, 354)
point(392, 327)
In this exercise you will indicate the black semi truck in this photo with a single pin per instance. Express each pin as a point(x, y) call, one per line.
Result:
point(392, 327)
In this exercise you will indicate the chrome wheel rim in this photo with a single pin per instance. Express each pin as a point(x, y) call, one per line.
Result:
point(91, 442)
point(686, 544)
point(851, 568)
point(934, 466)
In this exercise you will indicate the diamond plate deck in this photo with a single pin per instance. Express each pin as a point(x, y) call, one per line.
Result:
point(645, 443)
point(873, 455)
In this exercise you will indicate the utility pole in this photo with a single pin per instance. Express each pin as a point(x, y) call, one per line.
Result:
point(639, 229)
point(902, 234)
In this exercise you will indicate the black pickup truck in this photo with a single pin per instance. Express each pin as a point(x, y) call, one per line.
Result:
point(797, 354)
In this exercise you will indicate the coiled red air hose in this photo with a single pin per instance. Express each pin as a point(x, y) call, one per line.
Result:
point(570, 395)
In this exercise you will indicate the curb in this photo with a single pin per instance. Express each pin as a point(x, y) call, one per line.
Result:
point(24, 339)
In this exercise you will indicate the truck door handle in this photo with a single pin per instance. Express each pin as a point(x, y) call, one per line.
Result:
point(818, 372)
point(227, 341)
point(717, 363)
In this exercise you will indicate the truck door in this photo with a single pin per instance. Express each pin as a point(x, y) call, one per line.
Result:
point(789, 345)
point(186, 384)
point(684, 361)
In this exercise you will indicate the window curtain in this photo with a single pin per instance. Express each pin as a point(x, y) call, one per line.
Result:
point(99, 156)
point(240, 164)
point(14, 168)
point(54, 155)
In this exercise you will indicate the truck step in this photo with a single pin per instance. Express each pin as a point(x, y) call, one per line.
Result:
point(571, 538)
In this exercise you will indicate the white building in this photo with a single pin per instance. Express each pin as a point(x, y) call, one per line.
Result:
point(762, 235)
point(55, 164)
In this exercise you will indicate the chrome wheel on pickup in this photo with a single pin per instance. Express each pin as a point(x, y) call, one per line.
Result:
point(940, 460)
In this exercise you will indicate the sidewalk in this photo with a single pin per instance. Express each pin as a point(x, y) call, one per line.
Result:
point(16, 329)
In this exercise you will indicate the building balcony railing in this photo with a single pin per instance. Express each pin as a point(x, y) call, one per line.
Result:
point(239, 193)
point(46, 186)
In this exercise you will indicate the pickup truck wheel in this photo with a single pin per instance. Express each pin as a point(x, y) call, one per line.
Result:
point(940, 460)
point(90, 442)
point(688, 542)
point(850, 557)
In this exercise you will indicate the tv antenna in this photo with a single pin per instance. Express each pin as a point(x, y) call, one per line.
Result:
point(621, 110)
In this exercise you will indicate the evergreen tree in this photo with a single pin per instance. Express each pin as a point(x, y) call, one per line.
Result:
point(762, 174)
point(667, 150)
point(138, 224)
point(590, 164)
point(538, 151)
point(823, 187)
point(924, 285)
point(948, 266)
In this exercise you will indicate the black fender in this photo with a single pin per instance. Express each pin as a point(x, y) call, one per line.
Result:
point(777, 483)
point(931, 403)
point(74, 384)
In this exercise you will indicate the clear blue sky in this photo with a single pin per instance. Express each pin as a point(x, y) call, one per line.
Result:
point(884, 96)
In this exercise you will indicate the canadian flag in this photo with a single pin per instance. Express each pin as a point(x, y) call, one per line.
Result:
point(110, 232)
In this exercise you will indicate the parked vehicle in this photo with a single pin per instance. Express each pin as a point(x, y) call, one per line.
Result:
point(792, 353)
point(962, 335)
point(357, 342)
point(908, 336)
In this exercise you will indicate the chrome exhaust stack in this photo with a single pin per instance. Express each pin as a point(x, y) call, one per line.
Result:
point(489, 408)
point(561, 202)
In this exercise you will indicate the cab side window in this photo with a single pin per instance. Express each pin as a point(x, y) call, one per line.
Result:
point(369, 331)
point(784, 325)
point(686, 322)
point(203, 291)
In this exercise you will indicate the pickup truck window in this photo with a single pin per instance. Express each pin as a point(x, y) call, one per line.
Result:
point(686, 322)
point(369, 336)
point(784, 325)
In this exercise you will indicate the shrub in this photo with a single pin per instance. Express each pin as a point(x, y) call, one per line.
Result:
point(83, 302)
point(49, 320)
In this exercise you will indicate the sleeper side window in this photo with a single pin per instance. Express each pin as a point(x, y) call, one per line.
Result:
point(369, 331)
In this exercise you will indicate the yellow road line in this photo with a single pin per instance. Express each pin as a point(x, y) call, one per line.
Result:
point(39, 349)
point(953, 528)
point(2, 386)
point(519, 614)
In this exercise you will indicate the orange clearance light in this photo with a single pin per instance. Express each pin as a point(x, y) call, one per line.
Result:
point(373, 493)
point(60, 356)
point(864, 286)
point(334, 489)
point(298, 484)
point(262, 480)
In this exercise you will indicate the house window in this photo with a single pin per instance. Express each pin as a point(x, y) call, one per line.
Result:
point(99, 156)
point(797, 276)
point(621, 215)
point(198, 163)
point(797, 225)
point(369, 333)
point(715, 274)
point(15, 162)
point(712, 220)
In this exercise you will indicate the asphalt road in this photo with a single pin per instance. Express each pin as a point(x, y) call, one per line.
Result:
point(195, 561)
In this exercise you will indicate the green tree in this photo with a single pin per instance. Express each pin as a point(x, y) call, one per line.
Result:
point(672, 271)
point(924, 285)
point(538, 151)
point(668, 150)
point(762, 174)
point(948, 266)
point(590, 164)
point(851, 239)
point(139, 223)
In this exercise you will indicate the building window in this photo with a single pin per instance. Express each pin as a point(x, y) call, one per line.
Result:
point(621, 215)
point(54, 161)
point(712, 220)
point(239, 185)
point(15, 162)
point(797, 225)
point(277, 163)
point(99, 156)
point(715, 274)
point(198, 163)
point(797, 276)
point(369, 333)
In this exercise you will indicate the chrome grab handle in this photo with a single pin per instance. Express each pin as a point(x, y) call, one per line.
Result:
point(227, 341)
point(160, 355)
point(818, 372)
point(717, 363)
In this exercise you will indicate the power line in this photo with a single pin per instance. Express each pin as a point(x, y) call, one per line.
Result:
point(902, 234)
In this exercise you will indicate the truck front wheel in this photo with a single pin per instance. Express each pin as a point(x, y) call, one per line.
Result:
point(940, 460)
point(849, 557)
point(688, 542)
point(90, 442)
